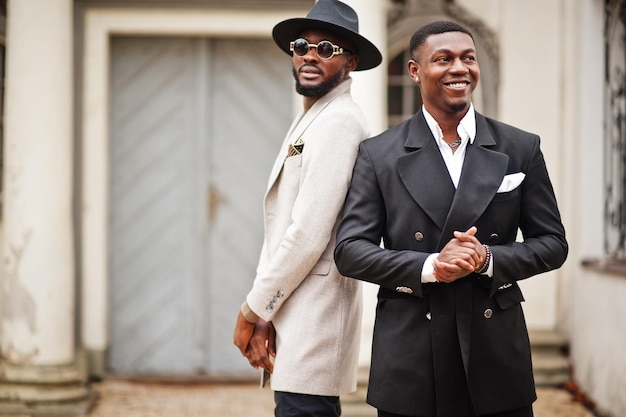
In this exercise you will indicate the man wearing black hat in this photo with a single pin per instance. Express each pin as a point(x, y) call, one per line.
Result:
point(301, 319)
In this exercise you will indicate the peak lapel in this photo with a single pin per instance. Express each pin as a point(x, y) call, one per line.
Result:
point(482, 174)
point(424, 173)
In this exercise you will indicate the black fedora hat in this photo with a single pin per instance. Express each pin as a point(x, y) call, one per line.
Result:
point(333, 16)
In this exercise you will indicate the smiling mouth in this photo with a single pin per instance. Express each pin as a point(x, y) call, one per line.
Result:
point(461, 84)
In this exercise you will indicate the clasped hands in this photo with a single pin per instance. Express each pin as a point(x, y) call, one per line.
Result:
point(256, 341)
point(461, 256)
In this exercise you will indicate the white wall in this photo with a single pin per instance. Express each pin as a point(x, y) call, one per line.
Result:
point(594, 311)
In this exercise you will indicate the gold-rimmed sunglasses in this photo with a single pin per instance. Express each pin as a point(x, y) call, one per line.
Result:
point(325, 49)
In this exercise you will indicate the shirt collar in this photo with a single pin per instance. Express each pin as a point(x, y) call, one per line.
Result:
point(466, 128)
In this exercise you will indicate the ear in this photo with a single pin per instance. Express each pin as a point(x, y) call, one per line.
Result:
point(351, 62)
point(413, 68)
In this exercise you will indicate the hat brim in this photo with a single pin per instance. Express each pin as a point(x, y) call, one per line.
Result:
point(288, 30)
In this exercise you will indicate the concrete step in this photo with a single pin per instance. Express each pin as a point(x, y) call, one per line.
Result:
point(550, 362)
point(547, 338)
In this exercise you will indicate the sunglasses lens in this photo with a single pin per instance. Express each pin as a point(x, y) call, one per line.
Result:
point(325, 49)
point(300, 47)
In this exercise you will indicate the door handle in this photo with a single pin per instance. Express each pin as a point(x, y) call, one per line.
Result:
point(216, 197)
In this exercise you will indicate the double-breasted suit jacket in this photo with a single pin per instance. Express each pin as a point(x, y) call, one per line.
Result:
point(315, 310)
point(401, 192)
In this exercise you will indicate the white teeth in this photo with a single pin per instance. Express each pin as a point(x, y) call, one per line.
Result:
point(457, 85)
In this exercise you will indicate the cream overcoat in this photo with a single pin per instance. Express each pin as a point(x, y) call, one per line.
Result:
point(315, 310)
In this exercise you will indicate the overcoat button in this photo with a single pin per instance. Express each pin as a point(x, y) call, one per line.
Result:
point(488, 313)
point(419, 236)
point(428, 315)
point(494, 237)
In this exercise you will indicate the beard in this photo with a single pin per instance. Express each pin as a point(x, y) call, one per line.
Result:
point(320, 89)
point(457, 107)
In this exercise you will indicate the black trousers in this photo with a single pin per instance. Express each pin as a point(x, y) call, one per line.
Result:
point(289, 404)
point(522, 412)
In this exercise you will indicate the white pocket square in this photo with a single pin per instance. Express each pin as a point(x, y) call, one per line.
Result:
point(511, 182)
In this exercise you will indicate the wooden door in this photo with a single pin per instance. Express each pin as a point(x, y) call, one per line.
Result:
point(195, 126)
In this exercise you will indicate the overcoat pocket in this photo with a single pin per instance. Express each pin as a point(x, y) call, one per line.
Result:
point(322, 267)
point(509, 297)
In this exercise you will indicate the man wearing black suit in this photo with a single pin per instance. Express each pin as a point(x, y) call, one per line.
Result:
point(447, 192)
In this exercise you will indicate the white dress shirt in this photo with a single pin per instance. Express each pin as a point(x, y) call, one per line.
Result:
point(454, 162)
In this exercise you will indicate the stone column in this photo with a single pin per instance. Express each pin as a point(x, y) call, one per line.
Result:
point(39, 371)
point(370, 87)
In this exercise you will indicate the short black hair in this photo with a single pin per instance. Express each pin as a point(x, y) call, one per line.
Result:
point(434, 28)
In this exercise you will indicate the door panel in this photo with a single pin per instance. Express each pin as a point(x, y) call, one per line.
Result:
point(193, 137)
point(247, 129)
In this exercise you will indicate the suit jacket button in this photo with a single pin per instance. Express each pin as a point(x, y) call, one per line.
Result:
point(428, 316)
point(419, 236)
point(494, 238)
point(488, 313)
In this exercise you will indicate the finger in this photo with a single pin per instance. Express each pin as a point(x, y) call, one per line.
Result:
point(251, 359)
point(464, 265)
point(241, 343)
point(446, 274)
point(242, 333)
point(478, 259)
point(469, 251)
point(468, 235)
point(256, 353)
point(462, 238)
point(448, 277)
point(471, 256)
point(444, 277)
point(271, 341)
point(452, 271)
point(259, 356)
point(465, 252)
point(446, 266)
point(265, 362)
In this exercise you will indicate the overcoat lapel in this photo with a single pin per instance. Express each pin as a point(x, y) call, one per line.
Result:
point(301, 123)
point(424, 172)
point(282, 153)
point(482, 174)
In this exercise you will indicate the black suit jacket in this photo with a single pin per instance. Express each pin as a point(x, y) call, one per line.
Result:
point(401, 192)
